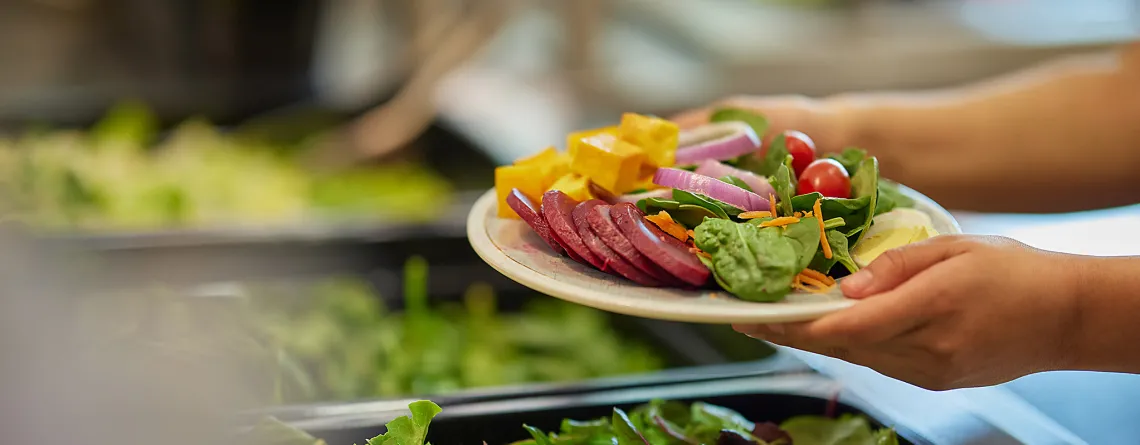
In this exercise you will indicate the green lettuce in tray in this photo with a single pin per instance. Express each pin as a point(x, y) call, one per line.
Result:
point(335, 340)
point(120, 175)
point(656, 423)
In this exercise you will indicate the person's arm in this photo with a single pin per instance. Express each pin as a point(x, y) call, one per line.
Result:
point(1057, 137)
point(1108, 329)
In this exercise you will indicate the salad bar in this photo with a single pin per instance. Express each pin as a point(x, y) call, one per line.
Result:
point(337, 323)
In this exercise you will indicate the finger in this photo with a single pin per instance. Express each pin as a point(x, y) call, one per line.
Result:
point(897, 265)
point(889, 316)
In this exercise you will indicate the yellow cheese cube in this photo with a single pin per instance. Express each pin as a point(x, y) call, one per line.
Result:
point(656, 136)
point(611, 163)
point(553, 164)
point(574, 139)
point(574, 185)
point(526, 178)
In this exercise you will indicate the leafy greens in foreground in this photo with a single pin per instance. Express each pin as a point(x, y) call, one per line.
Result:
point(658, 422)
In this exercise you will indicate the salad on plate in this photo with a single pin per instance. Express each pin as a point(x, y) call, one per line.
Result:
point(711, 206)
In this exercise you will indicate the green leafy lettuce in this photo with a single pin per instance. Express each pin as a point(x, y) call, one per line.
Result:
point(840, 253)
point(766, 165)
point(785, 188)
point(846, 430)
point(409, 430)
point(752, 263)
point(865, 183)
point(853, 211)
point(850, 158)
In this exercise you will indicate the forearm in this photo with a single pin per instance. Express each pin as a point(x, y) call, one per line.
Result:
point(1063, 136)
point(1107, 333)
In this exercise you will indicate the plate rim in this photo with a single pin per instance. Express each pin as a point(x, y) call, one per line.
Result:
point(780, 312)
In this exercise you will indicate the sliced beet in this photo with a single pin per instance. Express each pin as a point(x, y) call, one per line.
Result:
point(604, 226)
point(531, 214)
point(557, 209)
point(673, 256)
point(613, 262)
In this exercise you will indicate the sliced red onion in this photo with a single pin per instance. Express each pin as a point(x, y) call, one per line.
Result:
point(719, 141)
point(759, 184)
point(634, 197)
point(711, 187)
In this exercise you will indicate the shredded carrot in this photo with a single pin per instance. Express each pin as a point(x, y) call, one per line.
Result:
point(699, 252)
point(691, 234)
point(772, 204)
point(813, 282)
point(754, 214)
point(781, 221)
point(822, 230)
point(818, 276)
point(798, 214)
point(666, 223)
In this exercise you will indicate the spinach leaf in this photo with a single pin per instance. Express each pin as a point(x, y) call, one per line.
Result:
point(409, 430)
point(890, 197)
point(736, 181)
point(833, 223)
point(720, 208)
point(774, 157)
point(846, 430)
point(757, 121)
point(791, 172)
point(782, 182)
point(755, 264)
point(804, 236)
point(651, 206)
point(684, 197)
point(851, 157)
point(708, 420)
point(865, 183)
point(586, 427)
point(806, 201)
point(624, 430)
point(690, 215)
point(840, 253)
point(540, 438)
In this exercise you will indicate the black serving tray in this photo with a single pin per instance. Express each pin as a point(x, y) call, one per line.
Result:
point(771, 397)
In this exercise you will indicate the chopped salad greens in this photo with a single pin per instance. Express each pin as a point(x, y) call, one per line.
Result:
point(121, 175)
point(658, 422)
point(336, 339)
point(764, 221)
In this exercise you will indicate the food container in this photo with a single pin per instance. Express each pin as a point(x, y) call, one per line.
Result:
point(759, 398)
point(330, 340)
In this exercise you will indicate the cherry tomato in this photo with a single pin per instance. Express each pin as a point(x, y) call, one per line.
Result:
point(802, 149)
point(826, 176)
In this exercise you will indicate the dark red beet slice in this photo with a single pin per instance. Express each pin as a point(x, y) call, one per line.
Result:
point(613, 261)
point(531, 214)
point(674, 257)
point(557, 209)
point(603, 225)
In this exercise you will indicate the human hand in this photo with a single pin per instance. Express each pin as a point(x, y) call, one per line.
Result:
point(953, 311)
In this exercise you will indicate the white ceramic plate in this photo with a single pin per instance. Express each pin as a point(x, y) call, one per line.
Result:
point(511, 247)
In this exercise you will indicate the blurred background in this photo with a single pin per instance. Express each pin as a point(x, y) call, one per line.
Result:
point(286, 181)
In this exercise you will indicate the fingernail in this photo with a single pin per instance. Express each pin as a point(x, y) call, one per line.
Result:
point(858, 281)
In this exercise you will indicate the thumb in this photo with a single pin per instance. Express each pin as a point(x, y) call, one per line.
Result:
point(897, 265)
